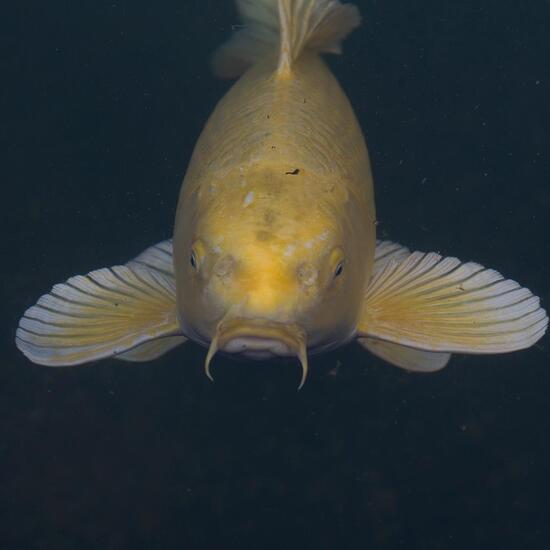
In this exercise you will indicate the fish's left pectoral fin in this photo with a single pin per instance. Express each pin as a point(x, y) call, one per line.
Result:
point(405, 357)
point(436, 304)
point(126, 311)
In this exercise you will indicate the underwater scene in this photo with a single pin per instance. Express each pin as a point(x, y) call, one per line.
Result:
point(308, 344)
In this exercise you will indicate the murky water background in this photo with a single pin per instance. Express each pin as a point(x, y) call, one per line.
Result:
point(103, 104)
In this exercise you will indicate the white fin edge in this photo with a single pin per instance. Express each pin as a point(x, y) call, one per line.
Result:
point(442, 304)
point(388, 251)
point(159, 258)
point(105, 313)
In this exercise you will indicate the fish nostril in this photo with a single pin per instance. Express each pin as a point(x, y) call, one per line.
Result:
point(307, 275)
point(224, 267)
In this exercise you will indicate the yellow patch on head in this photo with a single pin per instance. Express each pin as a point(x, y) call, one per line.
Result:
point(263, 280)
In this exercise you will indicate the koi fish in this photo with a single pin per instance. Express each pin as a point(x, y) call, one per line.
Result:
point(274, 250)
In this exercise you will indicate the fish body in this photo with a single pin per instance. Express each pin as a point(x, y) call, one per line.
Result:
point(274, 251)
point(279, 178)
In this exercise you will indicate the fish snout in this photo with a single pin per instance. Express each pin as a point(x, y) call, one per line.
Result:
point(257, 347)
point(259, 339)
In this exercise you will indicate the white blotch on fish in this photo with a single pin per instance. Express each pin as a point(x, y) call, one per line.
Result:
point(248, 199)
point(289, 250)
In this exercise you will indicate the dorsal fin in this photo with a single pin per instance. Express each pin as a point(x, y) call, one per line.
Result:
point(286, 25)
point(319, 25)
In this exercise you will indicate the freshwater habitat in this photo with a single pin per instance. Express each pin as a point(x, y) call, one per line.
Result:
point(103, 104)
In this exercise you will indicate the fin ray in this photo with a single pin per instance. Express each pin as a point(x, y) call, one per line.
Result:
point(288, 26)
point(118, 311)
point(157, 258)
point(387, 251)
point(439, 304)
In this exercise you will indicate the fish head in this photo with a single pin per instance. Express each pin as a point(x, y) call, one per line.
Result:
point(268, 283)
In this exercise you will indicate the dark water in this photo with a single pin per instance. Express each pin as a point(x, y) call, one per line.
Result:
point(103, 103)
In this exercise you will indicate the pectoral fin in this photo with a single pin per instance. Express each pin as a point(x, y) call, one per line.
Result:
point(437, 304)
point(388, 251)
point(152, 349)
point(126, 311)
point(157, 258)
point(405, 357)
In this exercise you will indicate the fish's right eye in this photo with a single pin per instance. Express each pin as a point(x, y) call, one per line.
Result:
point(197, 254)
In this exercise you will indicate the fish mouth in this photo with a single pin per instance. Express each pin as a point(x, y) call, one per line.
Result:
point(259, 339)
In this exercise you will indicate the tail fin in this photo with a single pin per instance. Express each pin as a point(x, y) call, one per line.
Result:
point(289, 25)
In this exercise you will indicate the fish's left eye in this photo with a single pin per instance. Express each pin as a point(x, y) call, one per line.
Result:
point(193, 260)
point(337, 261)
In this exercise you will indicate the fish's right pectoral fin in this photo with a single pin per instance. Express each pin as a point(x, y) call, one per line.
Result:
point(442, 305)
point(126, 311)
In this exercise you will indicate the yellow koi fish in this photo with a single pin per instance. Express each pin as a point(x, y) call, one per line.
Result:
point(274, 250)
